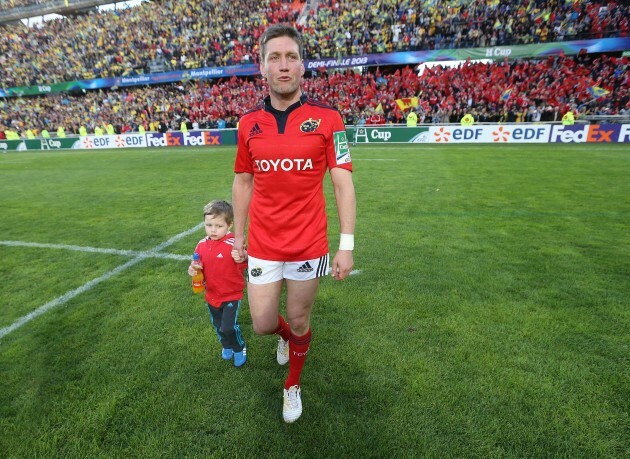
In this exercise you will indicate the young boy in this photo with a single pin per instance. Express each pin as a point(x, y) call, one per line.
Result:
point(223, 279)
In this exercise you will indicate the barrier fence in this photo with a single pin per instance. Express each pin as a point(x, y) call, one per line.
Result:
point(434, 134)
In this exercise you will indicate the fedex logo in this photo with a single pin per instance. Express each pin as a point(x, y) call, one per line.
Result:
point(202, 138)
point(212, 138)
point(170, 139)
point(158, 140)
point(624, 133)
point(198, 138)
point(585, 133)
point(173, 139)
point(179, 139)
point(192, 138)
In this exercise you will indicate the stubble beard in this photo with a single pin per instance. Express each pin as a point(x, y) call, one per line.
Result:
point(285, 90)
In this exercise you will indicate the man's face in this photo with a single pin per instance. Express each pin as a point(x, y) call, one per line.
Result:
point(283, 67)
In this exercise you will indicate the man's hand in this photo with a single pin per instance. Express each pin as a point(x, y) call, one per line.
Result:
point(342, 264)
point(238, 249)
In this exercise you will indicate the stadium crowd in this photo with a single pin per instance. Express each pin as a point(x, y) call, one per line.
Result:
point(7, 5)
point(172, 33)
point(520, 91)
point(350, 28)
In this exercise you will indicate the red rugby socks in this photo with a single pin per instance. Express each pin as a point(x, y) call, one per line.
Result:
point(298, 348)
point(283, 329)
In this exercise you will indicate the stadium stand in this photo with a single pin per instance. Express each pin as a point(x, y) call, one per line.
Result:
point(13, 4)
point(147, 38)
point(444, 94)
point(127, 42)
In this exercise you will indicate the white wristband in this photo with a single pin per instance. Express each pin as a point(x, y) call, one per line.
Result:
point(346, 241)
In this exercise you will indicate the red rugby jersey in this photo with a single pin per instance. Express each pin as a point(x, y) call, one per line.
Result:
point(223, 276)
point(288, 153)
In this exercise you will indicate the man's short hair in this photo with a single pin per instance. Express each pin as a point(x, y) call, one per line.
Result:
point(280, 30)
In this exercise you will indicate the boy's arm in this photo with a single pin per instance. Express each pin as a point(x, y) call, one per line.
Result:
point(191, 267)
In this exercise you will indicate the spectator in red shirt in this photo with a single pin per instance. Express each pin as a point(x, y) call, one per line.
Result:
point(376, 118)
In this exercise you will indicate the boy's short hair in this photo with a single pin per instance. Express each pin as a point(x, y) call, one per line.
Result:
point(219, 207)
point(280, 30)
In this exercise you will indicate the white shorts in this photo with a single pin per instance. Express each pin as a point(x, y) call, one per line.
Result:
point(265, 271)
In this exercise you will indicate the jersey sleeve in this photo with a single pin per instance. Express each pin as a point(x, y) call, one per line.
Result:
point(337, 148)
point(243, 162)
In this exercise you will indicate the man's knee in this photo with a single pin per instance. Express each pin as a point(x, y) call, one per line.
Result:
point(263, 327)
point(265, 324)
point(299, 324)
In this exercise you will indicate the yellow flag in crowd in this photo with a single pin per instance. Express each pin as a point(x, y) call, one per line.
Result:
point(407, 102)
point(379, 108)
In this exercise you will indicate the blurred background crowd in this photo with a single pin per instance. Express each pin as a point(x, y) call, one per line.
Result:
point(204, 33)
point(188, 34)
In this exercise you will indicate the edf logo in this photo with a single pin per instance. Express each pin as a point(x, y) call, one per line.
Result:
point(467, 133)
point(529, 133)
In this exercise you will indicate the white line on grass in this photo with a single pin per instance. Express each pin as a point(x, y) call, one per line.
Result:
point(84, 288)
point(77, 248)
point(352, 273)
point(139, 256)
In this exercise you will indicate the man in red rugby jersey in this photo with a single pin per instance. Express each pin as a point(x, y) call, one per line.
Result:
point(285, 147)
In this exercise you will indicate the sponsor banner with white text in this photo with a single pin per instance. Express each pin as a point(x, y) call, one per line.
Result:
point(591, 133)
point(112, 141)
point(497, 133)
point(185, 139)
point(387, 134)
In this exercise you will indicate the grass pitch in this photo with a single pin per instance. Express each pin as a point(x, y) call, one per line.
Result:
point(490, 316)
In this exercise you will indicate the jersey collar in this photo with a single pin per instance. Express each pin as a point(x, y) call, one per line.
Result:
point(282, 116)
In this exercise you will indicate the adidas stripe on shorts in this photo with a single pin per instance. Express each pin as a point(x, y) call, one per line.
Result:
point(265, 271)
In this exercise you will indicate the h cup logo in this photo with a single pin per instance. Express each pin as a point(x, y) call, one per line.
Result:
point(342, 150)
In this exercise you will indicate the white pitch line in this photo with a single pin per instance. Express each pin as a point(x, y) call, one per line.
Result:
point(84, 288)
point(78, 248)
point(352, 273)
point(139, 256)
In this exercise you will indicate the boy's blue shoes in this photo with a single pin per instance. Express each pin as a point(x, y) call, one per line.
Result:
point(240, 358)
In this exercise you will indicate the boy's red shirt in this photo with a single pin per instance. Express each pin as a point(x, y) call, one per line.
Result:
point(223, 276)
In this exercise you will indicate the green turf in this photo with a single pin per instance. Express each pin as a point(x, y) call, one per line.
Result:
point(490, 317)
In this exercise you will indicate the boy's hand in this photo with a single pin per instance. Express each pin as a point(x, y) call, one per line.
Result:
point(192, 270)
point(239, 246)
point(238, 258)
